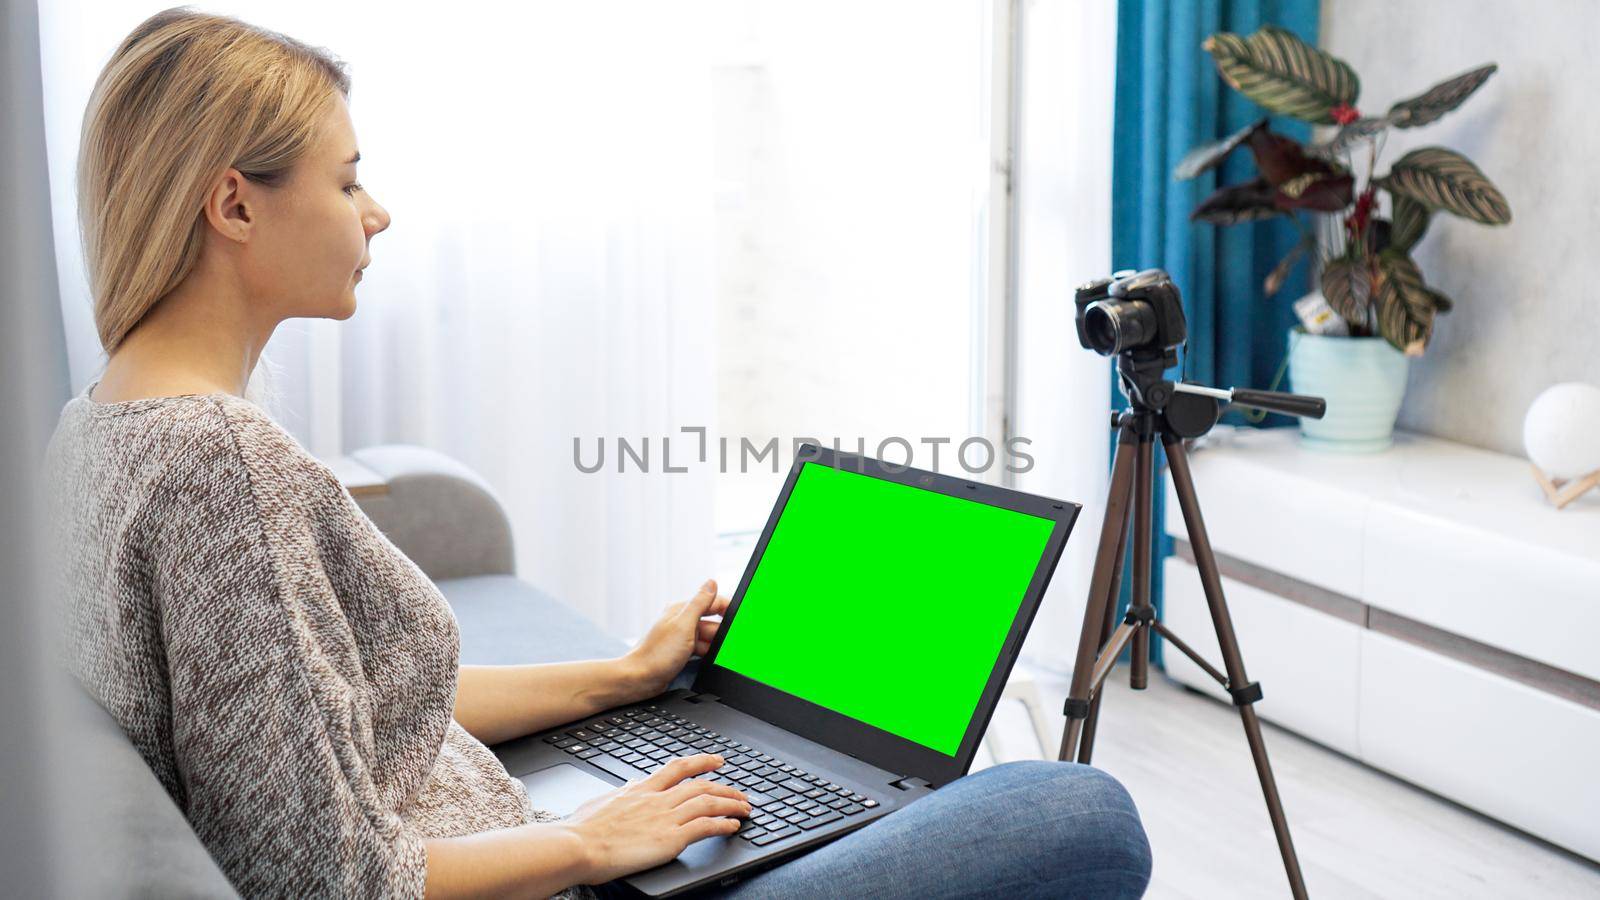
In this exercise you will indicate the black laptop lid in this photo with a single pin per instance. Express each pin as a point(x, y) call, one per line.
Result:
point(883, 608)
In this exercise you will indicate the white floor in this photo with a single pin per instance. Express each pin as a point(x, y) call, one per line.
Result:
point(1359, 832)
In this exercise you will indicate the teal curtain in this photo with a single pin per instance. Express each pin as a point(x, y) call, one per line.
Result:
point(1169, 98)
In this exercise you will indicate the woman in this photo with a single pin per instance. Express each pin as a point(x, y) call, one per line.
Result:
point(287, 673)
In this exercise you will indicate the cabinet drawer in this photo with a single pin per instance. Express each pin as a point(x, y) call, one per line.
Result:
point(1518, 754)
point(1307, 662)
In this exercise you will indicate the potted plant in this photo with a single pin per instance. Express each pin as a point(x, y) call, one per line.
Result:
point(1382, 311)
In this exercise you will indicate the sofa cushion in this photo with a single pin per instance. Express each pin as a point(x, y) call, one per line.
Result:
point(437, 511)
point(505, 621)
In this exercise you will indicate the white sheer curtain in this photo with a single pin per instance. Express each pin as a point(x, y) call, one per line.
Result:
point(1064, 197)
point(547, 275)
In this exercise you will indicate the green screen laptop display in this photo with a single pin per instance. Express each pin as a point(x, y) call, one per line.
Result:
point(884, 602)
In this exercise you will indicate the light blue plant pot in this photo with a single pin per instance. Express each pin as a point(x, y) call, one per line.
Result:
point(1362, 378)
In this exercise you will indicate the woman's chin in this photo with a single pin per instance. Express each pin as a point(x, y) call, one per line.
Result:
point(345, 308)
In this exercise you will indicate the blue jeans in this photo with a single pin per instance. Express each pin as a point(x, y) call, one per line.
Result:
point(1021, 829)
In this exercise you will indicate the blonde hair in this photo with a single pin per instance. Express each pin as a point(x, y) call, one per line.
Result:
point(184, 98)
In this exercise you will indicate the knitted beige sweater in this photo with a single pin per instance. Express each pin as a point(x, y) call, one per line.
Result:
point(285, 670)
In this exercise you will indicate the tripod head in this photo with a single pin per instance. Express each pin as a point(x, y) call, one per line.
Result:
point(1138, 318)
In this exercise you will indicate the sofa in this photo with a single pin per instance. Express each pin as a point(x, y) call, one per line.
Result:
point(447, 520)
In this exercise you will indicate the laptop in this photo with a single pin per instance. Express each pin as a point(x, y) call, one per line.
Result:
point(855, 670)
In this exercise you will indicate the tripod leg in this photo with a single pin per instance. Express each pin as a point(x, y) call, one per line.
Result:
point(1244, 693)
point(1107, 564)
point(1108, 624)
point(1144, 534)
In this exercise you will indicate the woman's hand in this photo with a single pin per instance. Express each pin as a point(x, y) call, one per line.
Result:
point(685, 629)
point(647, 822)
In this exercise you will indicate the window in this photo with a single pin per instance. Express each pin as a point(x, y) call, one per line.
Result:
point(854, 204)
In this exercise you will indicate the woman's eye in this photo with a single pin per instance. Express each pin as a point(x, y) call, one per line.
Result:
point(351, 189)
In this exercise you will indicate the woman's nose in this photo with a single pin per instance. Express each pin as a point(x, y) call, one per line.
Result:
point(376, 219)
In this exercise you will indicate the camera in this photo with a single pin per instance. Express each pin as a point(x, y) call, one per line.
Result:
point(1131, 311)
point(1138, 318)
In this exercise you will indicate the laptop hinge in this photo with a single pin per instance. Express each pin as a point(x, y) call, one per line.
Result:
point(909, 782)
point(701, 698)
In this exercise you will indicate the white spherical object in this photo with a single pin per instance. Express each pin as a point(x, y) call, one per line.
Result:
point(1562, 430)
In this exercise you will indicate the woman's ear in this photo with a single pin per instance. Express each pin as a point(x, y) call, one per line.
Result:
point(230, 206)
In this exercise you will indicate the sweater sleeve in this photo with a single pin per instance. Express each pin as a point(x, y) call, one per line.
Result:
point(270, 723)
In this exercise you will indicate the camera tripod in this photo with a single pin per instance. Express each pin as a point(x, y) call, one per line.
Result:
point(1172, 412)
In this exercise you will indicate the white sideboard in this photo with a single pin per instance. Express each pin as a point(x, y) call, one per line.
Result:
point(1423, 610)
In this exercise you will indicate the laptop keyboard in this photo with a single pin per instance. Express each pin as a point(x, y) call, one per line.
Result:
point(786, 801)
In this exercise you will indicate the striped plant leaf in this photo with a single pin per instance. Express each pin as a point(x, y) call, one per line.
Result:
point(1280, 158)
point(1283, 73)
point(1302, 181)
point(1323, 193)
point(1444, 179)
point(1347, 286)
point(1297, 185)
point(1248, 202)
point(1349, 135)
point(1208, 156)
point(1406, 334)
point(1398, 275)
point(1410, 219)
point(1405, 305)
point(1443, 97)
point(1392, 322)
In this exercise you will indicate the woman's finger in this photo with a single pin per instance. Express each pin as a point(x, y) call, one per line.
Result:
point(681, 768)
point(697, 787)
point(702, 828)
point(698, 605)
point(719, 605)
point(710, 805)
point(705, 631)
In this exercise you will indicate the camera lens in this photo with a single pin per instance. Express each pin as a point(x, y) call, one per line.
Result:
point(1101, 330)
point(1114, 326)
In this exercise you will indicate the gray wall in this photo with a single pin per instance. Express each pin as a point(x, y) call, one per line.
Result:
point(1527, 295)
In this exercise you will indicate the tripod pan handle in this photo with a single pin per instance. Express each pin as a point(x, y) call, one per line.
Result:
point(1280, 402)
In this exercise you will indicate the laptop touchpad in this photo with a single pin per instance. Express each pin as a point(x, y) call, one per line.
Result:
point(563, 788)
